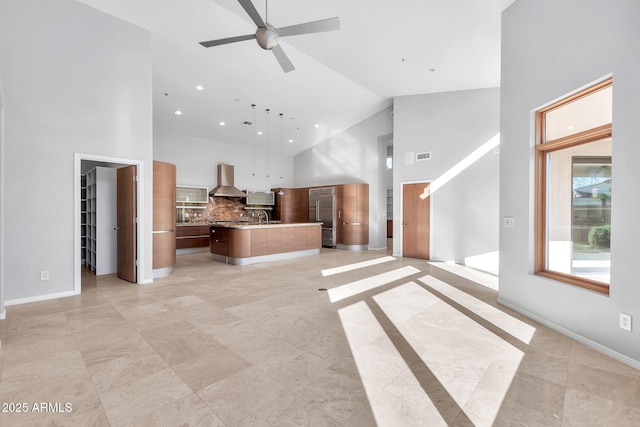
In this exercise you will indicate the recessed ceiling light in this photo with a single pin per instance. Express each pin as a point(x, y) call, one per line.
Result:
point(291, 140)
point(571, 127)
point(222, 123)
point(178, 113)
point(199, 87)
point(431, 69)
point(259, 132)
point(316, 126)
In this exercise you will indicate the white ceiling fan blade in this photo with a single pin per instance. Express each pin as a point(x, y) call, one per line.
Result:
point(330, 24)
point(228, 40)
point(283, 59)
point(252, 12)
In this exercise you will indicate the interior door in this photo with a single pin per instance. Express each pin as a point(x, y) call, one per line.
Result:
point(415, 220)
point(126, 223)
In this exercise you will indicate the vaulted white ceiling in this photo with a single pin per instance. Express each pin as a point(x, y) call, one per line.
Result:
point(383, 49)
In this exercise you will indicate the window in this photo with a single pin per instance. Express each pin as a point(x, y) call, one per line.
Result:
point(573, 189)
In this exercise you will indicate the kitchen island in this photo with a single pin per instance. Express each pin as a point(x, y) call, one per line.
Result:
point(243, 244)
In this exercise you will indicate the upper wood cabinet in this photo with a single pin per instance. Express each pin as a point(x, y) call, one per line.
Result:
point(292, 205)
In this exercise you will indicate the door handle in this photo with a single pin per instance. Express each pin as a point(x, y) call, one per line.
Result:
point(116, 228)
point(404, 224)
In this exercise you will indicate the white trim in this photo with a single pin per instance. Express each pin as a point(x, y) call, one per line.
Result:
point(140, 246)
point(40, 298)
point(577, 337)
point(402, 184)
point(3, 314)
point(2, 205)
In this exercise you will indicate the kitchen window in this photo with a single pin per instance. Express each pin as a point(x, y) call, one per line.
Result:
point(573, 189)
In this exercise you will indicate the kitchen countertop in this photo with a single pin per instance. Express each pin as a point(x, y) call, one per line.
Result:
point(245, 225)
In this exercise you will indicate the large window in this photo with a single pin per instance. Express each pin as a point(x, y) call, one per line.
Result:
point(573, 189)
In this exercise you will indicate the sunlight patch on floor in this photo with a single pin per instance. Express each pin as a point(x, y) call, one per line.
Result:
point(355, 266)
point(487, 280)
point(354, 288)
point(475, 366)
point(395, 396)
point(502, 320)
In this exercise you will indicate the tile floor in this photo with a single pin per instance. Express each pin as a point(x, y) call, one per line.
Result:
point(390, 342)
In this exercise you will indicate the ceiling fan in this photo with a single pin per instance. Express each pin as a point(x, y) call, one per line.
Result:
point(268, 36)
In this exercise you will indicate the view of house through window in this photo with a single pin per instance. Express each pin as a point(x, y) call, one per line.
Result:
point(573, 189)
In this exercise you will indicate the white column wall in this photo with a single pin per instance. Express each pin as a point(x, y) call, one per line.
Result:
point(550, 49)
point(451, 126)
point(75, 80)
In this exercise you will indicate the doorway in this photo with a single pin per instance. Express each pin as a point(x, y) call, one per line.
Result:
point(416, 212)
point(82, 164)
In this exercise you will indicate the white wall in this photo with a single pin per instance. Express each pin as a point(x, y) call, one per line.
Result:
point(550, 49)
point(358, 154)
point(450, 125)
point(197, 162)
point(74, 80)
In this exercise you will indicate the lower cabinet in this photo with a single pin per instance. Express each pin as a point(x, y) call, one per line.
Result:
point(255, 242)
point(192, 236)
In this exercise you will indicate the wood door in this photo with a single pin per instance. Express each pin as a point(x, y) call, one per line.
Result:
point(415, 221)
point(126, 223)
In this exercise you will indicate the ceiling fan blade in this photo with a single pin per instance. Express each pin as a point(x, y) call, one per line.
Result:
point(228, 40)
point(283, 59)
point(252, 12)
point(330, 24)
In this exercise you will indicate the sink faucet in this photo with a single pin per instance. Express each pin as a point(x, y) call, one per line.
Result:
point(266, 216)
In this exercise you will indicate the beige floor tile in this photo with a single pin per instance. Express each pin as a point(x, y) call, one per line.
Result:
point(208, 368)
point(143, 396)
point(179, 341)
point(188, 411)
point(237, 396)
point(259, 347)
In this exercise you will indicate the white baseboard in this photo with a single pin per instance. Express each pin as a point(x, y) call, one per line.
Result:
point(3, 314)
point(583, 340)
point(37, 298)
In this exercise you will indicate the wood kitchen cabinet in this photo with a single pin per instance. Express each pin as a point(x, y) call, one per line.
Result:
point(219, 241)
point(164, 219)
point(292, 206)
point(352, 223)
point(192, 236)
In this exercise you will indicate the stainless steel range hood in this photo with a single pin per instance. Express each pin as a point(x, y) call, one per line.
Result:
point(225, 186)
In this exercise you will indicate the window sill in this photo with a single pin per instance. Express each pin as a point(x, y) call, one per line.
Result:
point(581, 282)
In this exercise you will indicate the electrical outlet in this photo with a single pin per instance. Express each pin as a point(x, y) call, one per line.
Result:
point(44, 275)
point(625, 321)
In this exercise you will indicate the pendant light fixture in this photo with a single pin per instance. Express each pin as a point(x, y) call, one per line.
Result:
point(253, 145)
point(268, 190)
point(281, 193)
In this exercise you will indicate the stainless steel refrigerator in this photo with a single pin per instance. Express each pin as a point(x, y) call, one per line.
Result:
point(322, 208)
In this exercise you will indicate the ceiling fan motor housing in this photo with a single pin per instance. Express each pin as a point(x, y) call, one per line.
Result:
point(267, 37)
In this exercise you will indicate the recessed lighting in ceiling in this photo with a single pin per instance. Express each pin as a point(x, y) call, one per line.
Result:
point(259, 132)
point(291, 140)
point(178, 113)
point(199, 87)
point(431, 69)
point(222, 123)
point(316, 126)
point(571, 127)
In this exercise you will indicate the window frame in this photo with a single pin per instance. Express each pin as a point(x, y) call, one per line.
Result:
point(542, 149)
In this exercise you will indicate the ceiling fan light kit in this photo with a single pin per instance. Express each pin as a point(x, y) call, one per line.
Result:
point(268, 36)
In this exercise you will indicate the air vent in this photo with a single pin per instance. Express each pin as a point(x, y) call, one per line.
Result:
point(423, 156)
point(246, 123)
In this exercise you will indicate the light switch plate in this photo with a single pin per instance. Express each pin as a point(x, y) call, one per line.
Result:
point(508, 222)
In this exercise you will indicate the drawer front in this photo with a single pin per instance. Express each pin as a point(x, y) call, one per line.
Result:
point(192, 242)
